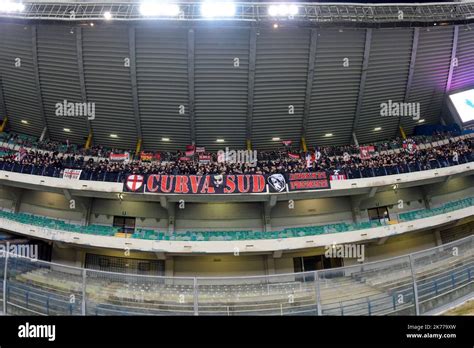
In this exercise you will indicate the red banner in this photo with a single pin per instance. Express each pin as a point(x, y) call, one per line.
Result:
point(225, 184)
point(366, 152)
point(190, 150)
point(410, 146)
point(119, 157)
point(204, 158)
point(293, 156)
point(197, 184)
point(308, 181)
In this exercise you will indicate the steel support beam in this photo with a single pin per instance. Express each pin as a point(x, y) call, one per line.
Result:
point(453, 56)
point(354, 138)
point(43, 133)
point(80, 67)
point(450, 74)
point(251, 84)
point(2, 100)
point(309, 80)
point(365, 66)
point(133, 79)
point(192, 120)
point(39, 96)
point(411, 71)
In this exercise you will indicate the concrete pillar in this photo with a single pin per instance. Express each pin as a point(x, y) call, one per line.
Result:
point(270, 264)
point(171, 217)
point(437, 235)
point(267, 208)
point(355, 207)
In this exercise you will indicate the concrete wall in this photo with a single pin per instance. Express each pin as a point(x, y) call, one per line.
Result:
point(220, 265)
point(215, 265)
point(400, 245)
point(237, 215)
point(228, 216)
point(75, 256)
point(311, 212)
point(150, 214)
point(51, 204)
point(452, 190)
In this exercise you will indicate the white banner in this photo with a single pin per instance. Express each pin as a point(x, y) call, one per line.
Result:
point(73, 174)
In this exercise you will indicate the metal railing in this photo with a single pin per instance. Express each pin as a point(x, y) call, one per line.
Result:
point(120, 176)
point(412, 284)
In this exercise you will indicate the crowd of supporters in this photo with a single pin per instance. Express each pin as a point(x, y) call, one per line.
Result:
point(344, 160)
point(57, 146)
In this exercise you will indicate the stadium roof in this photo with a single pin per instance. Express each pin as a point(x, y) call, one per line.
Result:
point(233, 82)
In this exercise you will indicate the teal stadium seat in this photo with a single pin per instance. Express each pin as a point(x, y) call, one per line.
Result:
point(289, 232)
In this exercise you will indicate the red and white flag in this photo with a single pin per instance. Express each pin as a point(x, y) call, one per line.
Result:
point(190, 150)
point(134, 182)
point(293, 155)
point(310, 157)
point(119, 157)
point(366, 152)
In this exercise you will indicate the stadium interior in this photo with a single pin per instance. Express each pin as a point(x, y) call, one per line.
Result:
point(221, 158)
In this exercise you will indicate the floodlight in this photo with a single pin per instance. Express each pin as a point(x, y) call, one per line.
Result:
point(292, 10)
point(157, 9)
point(283, 10)
point(273, 10)
point(8, 6)
point(213, 9)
